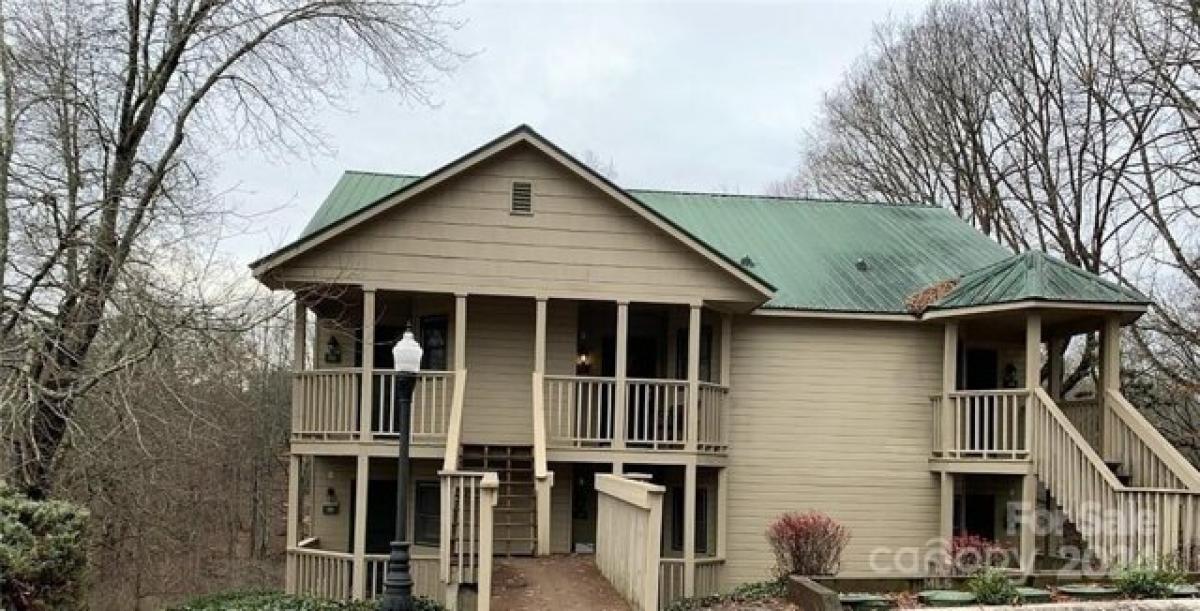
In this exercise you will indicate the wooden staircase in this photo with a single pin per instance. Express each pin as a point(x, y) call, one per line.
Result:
point(515, 524)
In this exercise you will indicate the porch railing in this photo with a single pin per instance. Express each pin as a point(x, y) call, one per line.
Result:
point(657, 416)
point(431, 401)
point(981, 424)
point(321, 573)
point(581, 412)
point(329, 404)
point(671, 578)
point(628, 529)
point(422, 567)
point(465, 554)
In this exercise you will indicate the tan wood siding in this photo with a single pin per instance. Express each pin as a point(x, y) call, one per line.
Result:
point(832, 417)
point(498, 401)
point(461, 236)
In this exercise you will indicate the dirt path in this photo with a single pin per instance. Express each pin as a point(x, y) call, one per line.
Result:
point(554, 583)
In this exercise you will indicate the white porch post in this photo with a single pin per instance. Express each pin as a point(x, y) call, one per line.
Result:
point(542, 485)
point(722, 510)
point(460, 332)
point(1033, 350)
point(358, 581)
point(689, 528)
point(366, 403)
point(949, 384)
point(299, 349)
point(1033, 380)
point(1110, 372)
point(621, 366)
point(946, 515)
point(726, 348)
point(293, 522)
point(693, 378)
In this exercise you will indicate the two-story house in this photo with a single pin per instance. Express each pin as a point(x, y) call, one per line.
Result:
point(886, 364)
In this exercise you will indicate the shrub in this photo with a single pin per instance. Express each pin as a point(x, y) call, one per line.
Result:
point(745, 593)
point(991, 586)
point(1147, 579)
point(807, 543)
point(43, 553)
point(969, 553)
point(276, 601)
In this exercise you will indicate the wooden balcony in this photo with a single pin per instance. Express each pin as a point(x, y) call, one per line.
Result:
point(327, 405)
point(581, 412)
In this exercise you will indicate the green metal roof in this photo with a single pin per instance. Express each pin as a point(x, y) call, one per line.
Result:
point(825, 255)
point(1034, 276)
point(812, 250)
point(354, 191)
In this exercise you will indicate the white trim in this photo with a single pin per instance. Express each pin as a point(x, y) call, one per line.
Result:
point(1035, 304)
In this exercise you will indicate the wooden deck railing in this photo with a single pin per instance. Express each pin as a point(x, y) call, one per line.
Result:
point(981, 424)
point(468, 501)
point(714, 408)
point(422, 567)
point(321, 573)
point(579, 410)
point(1148, 458)
point(432, 398)
point(329, 404)
point(628, 531)
point(657, 416)
point(671, 578)
point(1121, 524)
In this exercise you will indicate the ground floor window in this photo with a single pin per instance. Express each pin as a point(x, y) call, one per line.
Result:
point(428, 511)
point(677, 498)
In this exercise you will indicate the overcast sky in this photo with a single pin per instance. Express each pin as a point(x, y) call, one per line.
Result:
point(692, 96)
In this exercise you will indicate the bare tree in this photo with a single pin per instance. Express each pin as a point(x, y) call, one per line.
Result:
point(113, 113)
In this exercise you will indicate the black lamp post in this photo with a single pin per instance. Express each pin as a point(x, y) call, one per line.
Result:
point(397, 583)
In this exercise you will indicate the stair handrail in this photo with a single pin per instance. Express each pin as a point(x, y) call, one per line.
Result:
point(1164, 450)
point(1097, 463)
point(454, 427)
point(543, 478)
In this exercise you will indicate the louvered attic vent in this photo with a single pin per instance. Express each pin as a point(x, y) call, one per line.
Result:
point(522, 198)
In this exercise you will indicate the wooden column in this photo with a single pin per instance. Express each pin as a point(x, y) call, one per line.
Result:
point(689, 527)
point(1028, 539)
point(358, 582)
point(299, 349)
point(544, 481)
point(460, 331)
point(299, 336)
point(366, 402)
point(726, 348)
point(293, 521)
point(722, 511)
point(621, 362)
point(1033, 350)
point(1110, 371)
point(949, 383)
point(1057, 345)
point(693, 377)
point(946, 515)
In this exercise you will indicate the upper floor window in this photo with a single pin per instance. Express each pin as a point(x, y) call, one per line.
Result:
point(522, 198)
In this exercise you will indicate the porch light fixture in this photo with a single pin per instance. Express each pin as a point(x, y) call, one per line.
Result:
point(331, 505)
point(333, 351)
point(398, 582)
point(583, 359)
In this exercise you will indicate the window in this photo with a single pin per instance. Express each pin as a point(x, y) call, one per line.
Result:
point(522, 198)
point(427, 503)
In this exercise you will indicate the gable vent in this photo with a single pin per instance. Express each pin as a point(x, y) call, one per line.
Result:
point(522, 198)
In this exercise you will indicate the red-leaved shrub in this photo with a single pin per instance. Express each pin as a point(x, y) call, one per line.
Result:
point(969, 553)
point(807, 543)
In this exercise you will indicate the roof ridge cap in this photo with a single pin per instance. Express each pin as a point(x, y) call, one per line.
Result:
point(788, 198)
